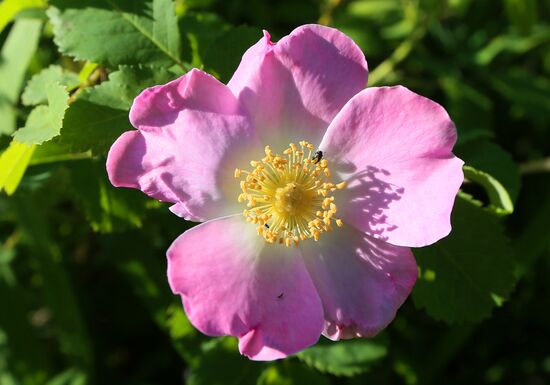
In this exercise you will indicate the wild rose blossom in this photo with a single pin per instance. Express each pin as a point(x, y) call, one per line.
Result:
point(295, 243)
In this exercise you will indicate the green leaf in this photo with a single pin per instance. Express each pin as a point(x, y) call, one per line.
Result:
point(15, 57)
point(115, 32)
point(13, 163)
point(44, 122)
point(10, 8)
point(37, 88)
point(90, 126)
point(465, 275)
point(52, 151)
point(344, 358)
point(222, 364)
point(125, 84)
point(494, 160)
point(225, 53)
point(289, 373)
point(100, 114)
point(499, 199)
point(107, 208)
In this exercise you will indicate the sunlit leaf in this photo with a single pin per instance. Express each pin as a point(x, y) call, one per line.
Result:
point(44, 122)
point(13, 163)
point(114, 32)
point(125, 84)
point(15, 56)
point(37, 88)
point(10, 8)
point(345, 358)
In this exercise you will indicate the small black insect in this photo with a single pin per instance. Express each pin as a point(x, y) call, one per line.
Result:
point(318, 156)
point(280, 295)
point(266, 225)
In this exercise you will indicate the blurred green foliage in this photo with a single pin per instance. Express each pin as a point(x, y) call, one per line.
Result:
point(83, 293)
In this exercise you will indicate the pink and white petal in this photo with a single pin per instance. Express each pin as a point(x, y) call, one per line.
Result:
point(187, 147)
point(395, 149)
point(362, 281)
point(167, 105)
point(231, 283)
point(295, 87)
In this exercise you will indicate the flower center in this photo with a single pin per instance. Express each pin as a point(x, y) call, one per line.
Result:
point(289, 196)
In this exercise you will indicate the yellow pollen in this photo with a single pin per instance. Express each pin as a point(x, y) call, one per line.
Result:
point(289, 196)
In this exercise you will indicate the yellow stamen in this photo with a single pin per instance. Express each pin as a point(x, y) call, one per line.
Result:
point(289, 196)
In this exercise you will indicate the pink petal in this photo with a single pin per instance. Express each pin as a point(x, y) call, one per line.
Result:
point(294, 88)
point(231, 283)
point(394, 148)
point(192, 135)
point(362, 281)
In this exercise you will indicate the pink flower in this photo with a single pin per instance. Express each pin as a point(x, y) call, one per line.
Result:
point(293, 244)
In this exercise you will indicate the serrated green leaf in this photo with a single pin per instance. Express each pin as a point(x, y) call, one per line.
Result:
point(289, 373)
point(125, 84)
point(116, 32)
point(44, 122)
point(494, 160)
point(37, 88)
point(467, 269)
point(89, 126)
point(100, 114)
point(345, 358)
point(15, 56)
point(13, 163)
